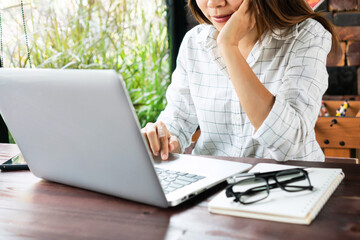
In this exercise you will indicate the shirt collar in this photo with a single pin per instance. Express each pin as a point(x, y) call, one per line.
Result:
point(279, 34)
point(207, 35)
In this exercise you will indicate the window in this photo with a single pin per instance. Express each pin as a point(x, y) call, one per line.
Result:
point(129, 36)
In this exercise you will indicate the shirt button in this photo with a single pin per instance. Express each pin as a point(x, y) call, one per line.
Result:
point(236, 118)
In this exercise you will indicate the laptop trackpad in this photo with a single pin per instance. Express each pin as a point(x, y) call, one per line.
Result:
point(201, 165)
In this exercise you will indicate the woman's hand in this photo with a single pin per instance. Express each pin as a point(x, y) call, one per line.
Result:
point(239, 24)
point(160, 140)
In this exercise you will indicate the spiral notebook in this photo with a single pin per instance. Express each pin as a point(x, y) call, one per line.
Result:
point(296, 207)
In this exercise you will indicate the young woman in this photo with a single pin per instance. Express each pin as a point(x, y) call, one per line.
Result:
point(251, 77)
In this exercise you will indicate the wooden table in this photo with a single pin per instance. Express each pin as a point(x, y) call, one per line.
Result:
point(31, 208)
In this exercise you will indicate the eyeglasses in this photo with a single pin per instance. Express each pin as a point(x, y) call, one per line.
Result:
point(257, 188)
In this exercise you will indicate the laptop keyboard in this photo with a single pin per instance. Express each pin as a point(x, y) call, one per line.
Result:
point(172, 180)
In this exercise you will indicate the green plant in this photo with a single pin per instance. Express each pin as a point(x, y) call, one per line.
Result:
point(129, 36)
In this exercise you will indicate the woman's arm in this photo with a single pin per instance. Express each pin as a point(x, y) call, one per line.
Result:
point(174, 127)
point(240, 31)
point(283, 123)
point(256, 100)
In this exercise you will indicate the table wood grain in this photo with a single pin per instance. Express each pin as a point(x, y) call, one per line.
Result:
point(32, 208)
point(7, 151)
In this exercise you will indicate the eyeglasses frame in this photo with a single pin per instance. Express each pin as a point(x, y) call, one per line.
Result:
point(265, 177)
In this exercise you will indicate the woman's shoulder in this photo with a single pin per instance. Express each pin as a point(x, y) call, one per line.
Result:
point(311, 33)
point(312, 28)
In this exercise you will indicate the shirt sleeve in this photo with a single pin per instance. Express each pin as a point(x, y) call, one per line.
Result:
point(297, 103)
point(179, 115)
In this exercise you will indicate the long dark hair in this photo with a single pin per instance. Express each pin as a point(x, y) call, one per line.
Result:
point(276, 14)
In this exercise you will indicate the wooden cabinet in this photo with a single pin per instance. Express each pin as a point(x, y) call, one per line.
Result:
point(339, 136)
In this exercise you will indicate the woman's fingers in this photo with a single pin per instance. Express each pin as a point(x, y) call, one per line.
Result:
point(246, 11)
point(159, 139)
point(143, 132)
point(174, 145)
point(163, 135)
point(246, 5)
point(240, 23)
point(151, 135)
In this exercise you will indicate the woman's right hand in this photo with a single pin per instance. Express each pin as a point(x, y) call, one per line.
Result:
point(160, 140)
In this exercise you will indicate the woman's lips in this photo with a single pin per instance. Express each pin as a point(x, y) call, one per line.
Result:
point(221, 19)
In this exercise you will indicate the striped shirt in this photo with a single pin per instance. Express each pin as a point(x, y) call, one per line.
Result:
point(290, 63)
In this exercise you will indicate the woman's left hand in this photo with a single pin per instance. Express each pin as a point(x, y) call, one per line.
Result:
point(239, 24)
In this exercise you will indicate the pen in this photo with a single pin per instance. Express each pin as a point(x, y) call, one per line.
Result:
point(237, 177)
point(14, 167)
point(15, 163)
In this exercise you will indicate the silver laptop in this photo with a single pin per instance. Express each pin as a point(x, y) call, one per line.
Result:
point(78, 127)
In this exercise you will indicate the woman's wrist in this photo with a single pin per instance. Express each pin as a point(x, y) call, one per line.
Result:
point(227, 46)
point(229, 52)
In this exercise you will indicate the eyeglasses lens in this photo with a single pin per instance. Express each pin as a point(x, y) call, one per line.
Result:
point(253, 190)
point(292, 180)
